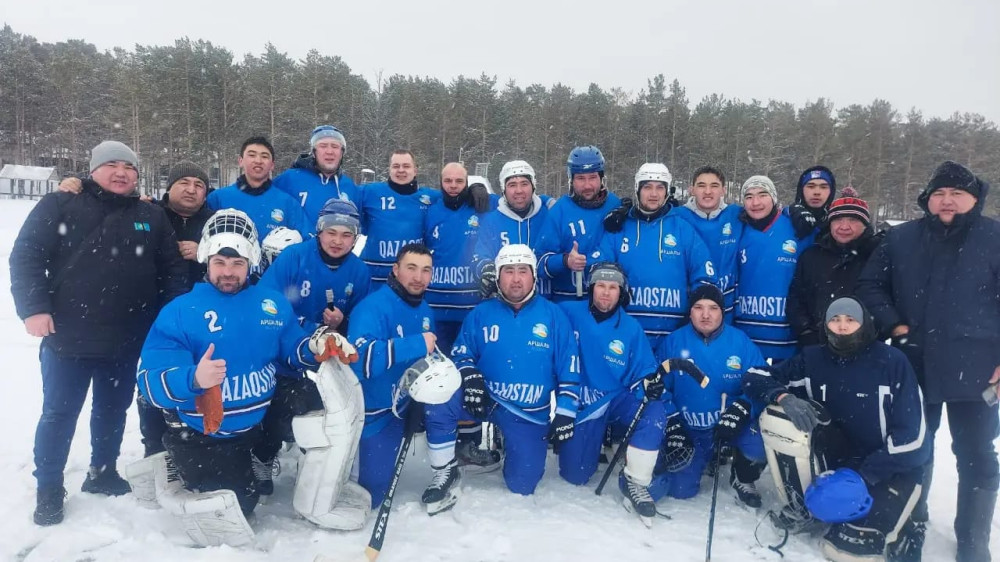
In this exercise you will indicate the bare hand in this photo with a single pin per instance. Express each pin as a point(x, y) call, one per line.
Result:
point(900, 330)
point(575, 260)
point(430, 340)
point(189, 250)
point(994, 379)
point(333, 318)
point(70, 185)
point(210, 372)
point(40, 325)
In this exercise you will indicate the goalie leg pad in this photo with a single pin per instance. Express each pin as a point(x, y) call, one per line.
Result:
point(789, 455)
point(330, 438)
point(210, 518)
point(141, 476)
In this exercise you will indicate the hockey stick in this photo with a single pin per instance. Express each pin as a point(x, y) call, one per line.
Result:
point(715, 489)
point(578, 281)
point(620, 451)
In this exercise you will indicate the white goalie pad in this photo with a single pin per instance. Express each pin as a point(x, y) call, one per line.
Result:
point(324, 493)
point(789, 454)
point(141, 476)
point(210, 518)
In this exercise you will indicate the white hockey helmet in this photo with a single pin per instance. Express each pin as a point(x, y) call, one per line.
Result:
point(233, 230)
point(276, 242)
point(516, 168)
point(515, 254)
point(432, 380)
point(652, 171)
point(473, 180)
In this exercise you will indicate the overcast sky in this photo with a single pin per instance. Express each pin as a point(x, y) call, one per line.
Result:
point(939, 56)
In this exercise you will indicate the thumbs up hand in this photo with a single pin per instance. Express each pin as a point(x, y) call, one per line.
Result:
point(574, 259)
point(210, 372)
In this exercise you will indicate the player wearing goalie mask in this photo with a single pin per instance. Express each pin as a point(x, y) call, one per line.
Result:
point(514, 352)
point(851, 404)
point(210, 362)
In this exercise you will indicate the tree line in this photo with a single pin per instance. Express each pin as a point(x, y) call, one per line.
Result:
point(195, 100)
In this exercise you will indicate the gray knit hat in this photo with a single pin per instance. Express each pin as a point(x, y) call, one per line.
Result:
point(846, 306)
point(186, 170)
point(760, 182)
point(112, 151)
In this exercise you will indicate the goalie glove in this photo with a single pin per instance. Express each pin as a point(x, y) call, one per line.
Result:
point(326, 343)
point(209, 405)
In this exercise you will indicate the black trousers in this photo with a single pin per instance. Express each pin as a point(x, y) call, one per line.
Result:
point(292, 397)
point(152, 426)
point(208, 463)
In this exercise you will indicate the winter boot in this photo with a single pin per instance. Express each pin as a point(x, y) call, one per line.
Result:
point(442, 493)
point(49, 506)
point(745, 491)
point(910, 544)
point(972, 523)
point(105, 480)
point(264, 473)
point(847, 543)
point(475, 460)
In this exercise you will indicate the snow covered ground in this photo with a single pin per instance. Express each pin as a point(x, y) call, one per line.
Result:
point(560, 522)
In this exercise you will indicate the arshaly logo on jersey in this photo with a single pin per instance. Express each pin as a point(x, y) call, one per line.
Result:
point(734, 362)
point(277, 215)
point(349, 289)
point(669, 240)
point(727, 229)
point(268, 306)
point(789, 247)
point(540, 330)
point(426, 324)
point(425, 199)
point(474, 221)
point(617, 347)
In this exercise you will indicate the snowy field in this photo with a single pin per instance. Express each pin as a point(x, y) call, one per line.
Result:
point(560, 522)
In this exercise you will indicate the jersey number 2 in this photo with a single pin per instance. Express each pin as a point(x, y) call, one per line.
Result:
point(213, 320)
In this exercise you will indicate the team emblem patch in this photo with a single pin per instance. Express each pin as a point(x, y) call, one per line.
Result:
point(344, 197)
point(669, 240)
point(268, 306)
point(727, 229)
point(815, 174)
point(617, 347)
point(349, 289)
point(540, 330)
point(277, 215)
point(789, 247)
point(474, 221)
point(734, 363)
point(426, 324)
point(425, 199)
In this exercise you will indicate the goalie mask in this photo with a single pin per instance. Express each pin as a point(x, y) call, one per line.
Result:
point(230, 233)
point(276, 242)
point(432, 380)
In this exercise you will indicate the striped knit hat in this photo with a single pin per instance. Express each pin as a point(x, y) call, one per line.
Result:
point(850, 205)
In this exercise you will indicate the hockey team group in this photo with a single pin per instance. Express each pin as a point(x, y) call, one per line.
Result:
point(684, 335)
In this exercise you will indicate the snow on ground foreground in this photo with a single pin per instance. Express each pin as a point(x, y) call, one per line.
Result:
point(560, 522)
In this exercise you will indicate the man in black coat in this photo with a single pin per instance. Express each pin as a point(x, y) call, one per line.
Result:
point(184, 202)
point(934, 284)
point(89, 273)
point(828, 269)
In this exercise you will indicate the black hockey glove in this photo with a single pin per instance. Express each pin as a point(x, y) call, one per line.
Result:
point(475, 398)
point(480, 197)
point(560, 431)
point(615, 219)
point(733, 421)
point(678, 447)
point(801, 412)
point(686, 366)
point(803, 220)
point(488, 281)
point(653, 386)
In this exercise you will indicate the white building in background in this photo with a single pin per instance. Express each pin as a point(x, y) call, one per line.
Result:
point(26, 182)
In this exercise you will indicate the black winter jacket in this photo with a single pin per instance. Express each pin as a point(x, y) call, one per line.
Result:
point(944, 283)
point(101, 264)
point(188, 229)
point(825, 272)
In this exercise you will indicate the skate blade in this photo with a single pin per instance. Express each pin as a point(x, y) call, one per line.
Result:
point(473, 468)
point(647, 521)
point(443, 505)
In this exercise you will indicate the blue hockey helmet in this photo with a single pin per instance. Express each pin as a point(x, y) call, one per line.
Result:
point(584, 160)
point(338, 212)
point(838, 496)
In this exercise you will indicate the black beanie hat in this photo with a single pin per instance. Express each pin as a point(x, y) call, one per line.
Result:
point(952, 174)
point(186, 170)
point(704, 291)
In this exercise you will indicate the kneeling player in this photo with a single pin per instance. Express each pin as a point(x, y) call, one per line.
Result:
point(210, 361)
point(513, 352)
point(870, 421)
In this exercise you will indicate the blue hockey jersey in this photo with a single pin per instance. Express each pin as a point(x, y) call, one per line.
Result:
point(572, 223)
point(388, 334)
point(451, 235)
point(724, 357)
point(524, 356)
point(663, 259)
point(767, 265)
point(503, 226)
point(312, 190)
point(254, 330)
point(873, 397)
point(721, 232)
point(390, 221)
point(267, 207)
point(614, 355)
point(304, 278)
